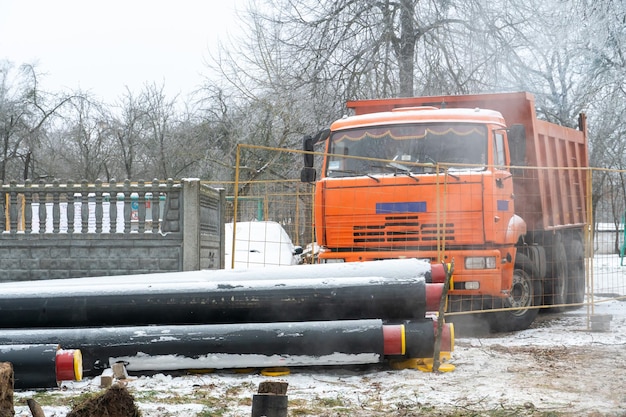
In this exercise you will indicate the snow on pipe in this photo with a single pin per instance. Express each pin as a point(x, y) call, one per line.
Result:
point(141, 301)
point(42, 365)
point(218, 346)
point(389, 268)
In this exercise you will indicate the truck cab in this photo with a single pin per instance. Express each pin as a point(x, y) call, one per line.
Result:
point(427, 171)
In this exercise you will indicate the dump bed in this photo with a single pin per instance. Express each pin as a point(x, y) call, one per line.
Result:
point(550, 183)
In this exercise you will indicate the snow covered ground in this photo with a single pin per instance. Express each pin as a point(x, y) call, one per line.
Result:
point(559, 365)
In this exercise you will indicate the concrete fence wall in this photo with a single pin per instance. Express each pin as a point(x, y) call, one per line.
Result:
point(69, 230)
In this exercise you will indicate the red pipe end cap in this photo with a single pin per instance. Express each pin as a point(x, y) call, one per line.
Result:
point(69, 365)
point(394, 339)
point(447, 336)
point(437, 274)
point(433, 296)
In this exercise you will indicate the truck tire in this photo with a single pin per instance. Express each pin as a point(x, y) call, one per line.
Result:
point(556, 282)
point(525, 293)
point(576, 269)
point(537, 255)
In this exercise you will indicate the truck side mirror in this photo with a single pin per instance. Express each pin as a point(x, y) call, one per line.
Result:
point(308, 175)
point(307, 146)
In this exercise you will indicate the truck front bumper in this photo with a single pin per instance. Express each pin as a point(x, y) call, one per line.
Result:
point(476, 272)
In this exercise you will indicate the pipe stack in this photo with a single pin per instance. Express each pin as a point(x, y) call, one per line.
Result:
point(282, 316)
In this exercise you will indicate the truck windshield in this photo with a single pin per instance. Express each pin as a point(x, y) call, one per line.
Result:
point(412, 148)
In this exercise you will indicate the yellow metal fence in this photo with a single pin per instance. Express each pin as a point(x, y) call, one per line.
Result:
point(289, 202)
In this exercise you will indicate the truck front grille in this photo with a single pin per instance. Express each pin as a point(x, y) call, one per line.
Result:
point(402, 229)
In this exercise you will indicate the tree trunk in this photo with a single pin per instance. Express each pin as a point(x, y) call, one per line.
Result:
point(408, 40)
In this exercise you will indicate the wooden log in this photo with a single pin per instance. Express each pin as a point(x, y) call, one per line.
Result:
point(6, 390)
point(273, 387)
point(271, 400)
point(106, 379)
point(119, 370)
point(35, 408)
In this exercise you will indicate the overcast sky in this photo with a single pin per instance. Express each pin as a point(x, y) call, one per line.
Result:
point(103, 46)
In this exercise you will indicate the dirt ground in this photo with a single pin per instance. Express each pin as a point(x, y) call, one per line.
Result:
point(116, 401)
point(558, 365)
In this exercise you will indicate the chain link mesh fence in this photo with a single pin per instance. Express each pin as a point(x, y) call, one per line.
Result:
point(575, 226)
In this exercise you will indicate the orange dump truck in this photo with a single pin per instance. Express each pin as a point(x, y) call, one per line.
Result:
point(477, 179)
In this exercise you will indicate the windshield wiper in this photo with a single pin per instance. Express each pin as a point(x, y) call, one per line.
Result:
point(356, 174)
point(398, 169)
point(398, 166)
point(373, 177)
point(410, 175)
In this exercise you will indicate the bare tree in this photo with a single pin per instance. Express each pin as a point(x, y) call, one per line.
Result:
point(218, 121)
point(128, 128)
point(24, 112)
point(83, 143)
point(188, 145)
point(367, 48)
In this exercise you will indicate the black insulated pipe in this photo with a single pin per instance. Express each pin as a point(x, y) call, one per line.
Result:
point(42, 365)
point(139, 301)
point(160, 348)
point(242, 345)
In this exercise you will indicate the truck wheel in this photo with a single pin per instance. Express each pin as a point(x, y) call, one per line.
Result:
point(537, 255)
point(576, 269)
point(525, 293)
point(556, 288)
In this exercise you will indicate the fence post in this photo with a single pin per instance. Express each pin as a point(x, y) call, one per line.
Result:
point(191, 224)
point(222, 227)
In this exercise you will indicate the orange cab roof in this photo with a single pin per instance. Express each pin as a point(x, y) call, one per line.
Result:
point(420, 115)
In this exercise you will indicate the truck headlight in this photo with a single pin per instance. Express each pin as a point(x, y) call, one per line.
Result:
point(472, 285)
point(480, 262)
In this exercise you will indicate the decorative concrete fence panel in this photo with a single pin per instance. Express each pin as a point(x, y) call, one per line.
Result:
point(67, 230)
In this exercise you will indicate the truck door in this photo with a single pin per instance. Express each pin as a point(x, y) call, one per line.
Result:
point(499, 206)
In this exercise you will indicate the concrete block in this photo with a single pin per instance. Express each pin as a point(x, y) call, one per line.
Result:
point(601, 322)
